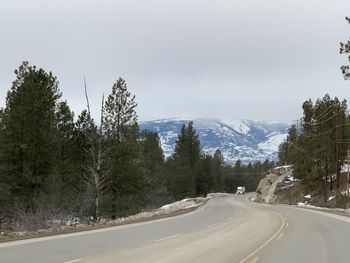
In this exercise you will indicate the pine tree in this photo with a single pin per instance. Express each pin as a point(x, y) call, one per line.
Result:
point(218, 162)
point(6, 201)
point(29, 135)
point(84, 132)
point(121, 129)
point(152, 168)
point(313, 149)
point(345, 49)
point(184, 159)
point(120, 119)
point(64, 176)
point(204, 179)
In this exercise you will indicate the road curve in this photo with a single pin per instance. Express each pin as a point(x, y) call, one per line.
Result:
point(308, 236)
point(227, 229)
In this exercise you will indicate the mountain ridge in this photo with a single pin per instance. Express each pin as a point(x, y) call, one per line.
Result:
point(247, 140)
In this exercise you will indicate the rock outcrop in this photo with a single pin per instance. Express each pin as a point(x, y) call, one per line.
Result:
point(267, 186)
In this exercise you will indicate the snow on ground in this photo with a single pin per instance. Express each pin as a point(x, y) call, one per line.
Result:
point(75, 223)
point(346, 192)
point(339, 211)
point(165, 209)
point(331, 198)
point(345, 168)
point(292, 178)
point(183, 204)
point(305, 204)
point(273, 142)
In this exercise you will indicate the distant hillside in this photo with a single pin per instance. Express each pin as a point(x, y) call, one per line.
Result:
point(247, 140)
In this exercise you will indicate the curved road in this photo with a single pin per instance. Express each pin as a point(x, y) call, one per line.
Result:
point(227, 229)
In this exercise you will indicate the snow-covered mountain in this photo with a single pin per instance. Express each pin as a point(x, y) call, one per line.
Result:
point(247, 140)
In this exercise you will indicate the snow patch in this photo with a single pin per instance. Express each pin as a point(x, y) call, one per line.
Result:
point(249, 141)
point(346, 192)
point(331, 198)
point(273, 142)
point(183, 204)
point(345, 168)
point(237, 125)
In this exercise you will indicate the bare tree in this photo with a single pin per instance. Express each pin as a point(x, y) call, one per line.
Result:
point(95, 171)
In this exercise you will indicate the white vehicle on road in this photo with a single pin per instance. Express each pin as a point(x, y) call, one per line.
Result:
point(240, 190)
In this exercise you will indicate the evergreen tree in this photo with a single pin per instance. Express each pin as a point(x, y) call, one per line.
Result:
point(312, 150)
point(29, 135)
point(84, 135)
point(122, 132)
point(64, 176)
point(204, 180)
point(120, 119)
point(152, 169)
point(345, 49)
point(218, 162)
point(6, 200)
point(183, 161)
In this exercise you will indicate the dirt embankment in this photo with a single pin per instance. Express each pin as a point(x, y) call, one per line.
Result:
point(279, 186)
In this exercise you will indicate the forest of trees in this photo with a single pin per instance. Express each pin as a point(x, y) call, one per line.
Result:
point(317, 145)
point(55, 164)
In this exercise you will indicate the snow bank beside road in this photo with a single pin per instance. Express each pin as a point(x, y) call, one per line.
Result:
point(164, 210)
point(184, 204)
point(339, 211)
point(77, 225)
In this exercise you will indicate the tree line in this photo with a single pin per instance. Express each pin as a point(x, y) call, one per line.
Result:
point(54, 163)
point(317, 145)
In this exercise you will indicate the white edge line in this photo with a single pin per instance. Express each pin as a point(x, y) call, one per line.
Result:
point(99, 230)
point(72, 261)
point(166, 238)
point(266, 242)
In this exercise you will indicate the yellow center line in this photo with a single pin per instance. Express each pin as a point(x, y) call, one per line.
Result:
point(280, 236)
point(266, 242)
point(254, 260)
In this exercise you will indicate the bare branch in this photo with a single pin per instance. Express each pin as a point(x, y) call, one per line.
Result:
point(87, 98)
point(102, 113)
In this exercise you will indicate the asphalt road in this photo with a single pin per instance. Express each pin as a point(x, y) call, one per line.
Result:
point(309, 236)
point(227, 229)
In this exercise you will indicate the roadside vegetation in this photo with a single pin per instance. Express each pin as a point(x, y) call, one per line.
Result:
point(318, 145)
point(55, 165)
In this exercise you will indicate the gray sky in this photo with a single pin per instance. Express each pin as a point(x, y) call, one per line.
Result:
point(247, 59)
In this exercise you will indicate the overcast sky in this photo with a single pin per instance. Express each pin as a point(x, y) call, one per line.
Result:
point(247, 59)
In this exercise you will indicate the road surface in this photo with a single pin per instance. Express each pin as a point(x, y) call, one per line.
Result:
point(227, 229)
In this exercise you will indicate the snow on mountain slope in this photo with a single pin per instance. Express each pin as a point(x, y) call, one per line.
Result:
point(247, 140)
point(272, 143)
point(237, 125)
